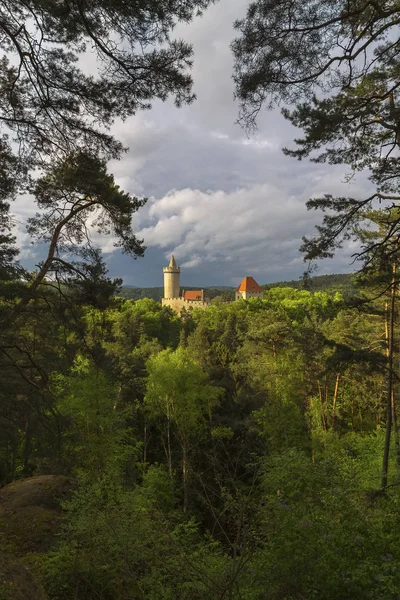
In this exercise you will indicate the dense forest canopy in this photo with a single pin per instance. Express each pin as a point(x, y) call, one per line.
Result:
point(188, 440)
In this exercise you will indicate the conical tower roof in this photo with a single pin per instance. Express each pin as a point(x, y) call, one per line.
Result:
point(172, 262)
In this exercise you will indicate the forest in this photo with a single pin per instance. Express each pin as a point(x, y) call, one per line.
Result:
point(248, 451)
point(232, 453)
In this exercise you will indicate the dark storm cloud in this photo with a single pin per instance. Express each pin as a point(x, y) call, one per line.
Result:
point(226, 204)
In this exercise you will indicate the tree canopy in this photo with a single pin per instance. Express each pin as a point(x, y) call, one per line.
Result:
point(335, 67)
point(240, 460)
point(68, 70)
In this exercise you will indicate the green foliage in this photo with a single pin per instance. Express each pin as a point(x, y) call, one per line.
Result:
point(51, 105)
point(177, 389)
point(235, 453)
point(10, 176)
point(120, 543)
point(322, 536)
point(342, 282)
point(99, 438)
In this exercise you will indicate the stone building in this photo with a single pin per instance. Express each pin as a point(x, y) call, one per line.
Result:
point(172, 296)
point(249, 288)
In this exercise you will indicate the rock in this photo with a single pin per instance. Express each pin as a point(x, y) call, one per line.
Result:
point(17, 582)
point(43, 490)
point(30, 519)
point(30, 513)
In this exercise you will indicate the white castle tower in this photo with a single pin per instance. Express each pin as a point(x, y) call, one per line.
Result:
point(172, 275)
point(172, 297)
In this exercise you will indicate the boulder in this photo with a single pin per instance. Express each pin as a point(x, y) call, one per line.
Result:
point(30, 520)
point(31, 514)
point(17, 582)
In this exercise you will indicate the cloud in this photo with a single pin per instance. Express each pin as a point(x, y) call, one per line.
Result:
point(226, 203)
point(256, 229)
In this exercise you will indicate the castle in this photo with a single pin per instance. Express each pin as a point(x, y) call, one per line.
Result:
point(172, 297)
point(248, 288)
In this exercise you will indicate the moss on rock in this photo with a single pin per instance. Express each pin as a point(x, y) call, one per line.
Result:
point(30, 519)
point(30, 513)
point(17, 582)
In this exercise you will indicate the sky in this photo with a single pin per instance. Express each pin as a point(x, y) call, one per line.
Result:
point(225, 203)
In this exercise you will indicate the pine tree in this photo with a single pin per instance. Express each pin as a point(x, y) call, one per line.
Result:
point(308, 55)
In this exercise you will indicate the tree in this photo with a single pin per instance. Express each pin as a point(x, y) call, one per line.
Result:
point(133, 543)
point(87, 281)
point(381, 271)
point(178, 392)
point(338, 64)
point(55, 104)
point(98, 438)
point(10, 177)
point(309, 511)
point(50, 103)
point(71, 192)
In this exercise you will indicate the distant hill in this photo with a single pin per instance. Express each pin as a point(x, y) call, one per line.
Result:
point(339, 283)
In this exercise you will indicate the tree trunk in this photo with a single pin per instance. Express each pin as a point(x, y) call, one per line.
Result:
point(185, 475)
point(323, 393)
point(169, 448)
point(145, 443)
point(311, 431)
point(396, 432)
point(27, 447)
point(335, 395)
point(385, 463)
point(31, 290)
point(321, 403)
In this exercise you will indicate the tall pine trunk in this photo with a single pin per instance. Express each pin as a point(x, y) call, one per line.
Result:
point(335, 396)
point(389, 407)
point(26, 454)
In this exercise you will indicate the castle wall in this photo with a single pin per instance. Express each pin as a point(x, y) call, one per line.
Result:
point(177, 304)
point(196, 303)
point(248, 295)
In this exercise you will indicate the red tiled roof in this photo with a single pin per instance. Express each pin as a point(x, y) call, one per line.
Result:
point(249, 285)
point(194, 295)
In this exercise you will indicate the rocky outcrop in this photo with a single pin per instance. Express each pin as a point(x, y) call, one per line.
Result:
point(17, 582)
point(30, 519)
point(30, 513)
